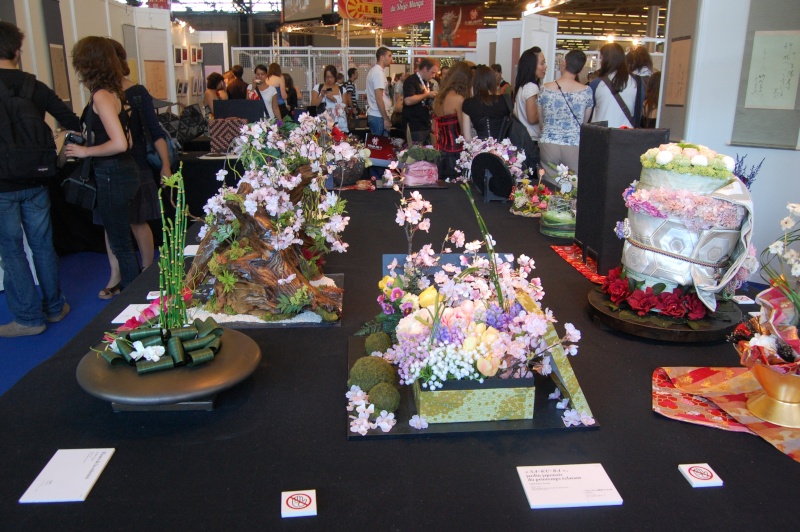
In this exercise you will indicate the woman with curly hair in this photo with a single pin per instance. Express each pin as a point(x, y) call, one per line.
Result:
point(447, 116)
point(115, 170)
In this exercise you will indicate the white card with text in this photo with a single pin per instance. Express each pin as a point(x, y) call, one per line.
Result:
point(700, 475)
point(299, 503)
point(568, 486)
point(68, 476)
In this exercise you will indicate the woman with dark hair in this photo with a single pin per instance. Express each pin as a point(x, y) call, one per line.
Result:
point(530, 71)
point(613, 81)
point(485, 110)
point(116, 173)
point(650, 107)
point(145, 204)
point(275, 79)
point(261, 90)
point(563, 106)
point(291, 93)
point(447, 107)
point(330, 94)
point(640, 63)
point(215, 90)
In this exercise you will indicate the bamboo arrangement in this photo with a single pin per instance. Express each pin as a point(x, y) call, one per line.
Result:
point(170, 261)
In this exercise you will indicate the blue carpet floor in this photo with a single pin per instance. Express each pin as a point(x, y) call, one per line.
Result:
point(83, 275)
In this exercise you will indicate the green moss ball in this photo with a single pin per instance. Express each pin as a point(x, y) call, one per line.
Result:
point(385, 397)
point(369, 371)
point(379, 341)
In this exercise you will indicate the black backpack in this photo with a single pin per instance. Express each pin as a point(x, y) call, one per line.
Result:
point(515, 131)
point(27, 147)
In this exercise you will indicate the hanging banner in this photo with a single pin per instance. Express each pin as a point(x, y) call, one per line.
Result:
point(457, 25)
point(361, 9)
point(159, 4)
point(402, 12)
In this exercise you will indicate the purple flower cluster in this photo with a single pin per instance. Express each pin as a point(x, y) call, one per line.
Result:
point(408, 350)
point(453, 335)
point(495, 317)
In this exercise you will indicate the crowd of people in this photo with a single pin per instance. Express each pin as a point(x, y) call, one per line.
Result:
point(436, 104)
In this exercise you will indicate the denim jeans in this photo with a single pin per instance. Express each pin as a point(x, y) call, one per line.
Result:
point(376, 125)
point(29, 211)
point(117, 182)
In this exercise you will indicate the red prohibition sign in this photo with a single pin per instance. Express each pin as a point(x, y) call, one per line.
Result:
point(701, 473)
point(298, 501)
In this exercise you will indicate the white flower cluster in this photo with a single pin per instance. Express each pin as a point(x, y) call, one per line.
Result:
point(152, 353)
point(358, 402)
point(781, 247)
point(573, 417)
point(504, 149)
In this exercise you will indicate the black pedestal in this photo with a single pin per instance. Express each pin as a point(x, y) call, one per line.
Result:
point(609, 162)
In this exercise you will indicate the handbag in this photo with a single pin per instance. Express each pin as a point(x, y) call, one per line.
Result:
point(80, 188)
point(153, 158)
point(223, 131)
point(191, 124)
point(515, 131)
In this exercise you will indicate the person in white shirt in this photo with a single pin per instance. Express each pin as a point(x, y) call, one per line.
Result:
point(378, 103)
point(614, 72)
point(261, 90)
point(530, 71)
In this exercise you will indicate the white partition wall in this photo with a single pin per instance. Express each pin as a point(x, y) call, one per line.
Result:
point(541, 31)
point(509, 47)
point(486, 48)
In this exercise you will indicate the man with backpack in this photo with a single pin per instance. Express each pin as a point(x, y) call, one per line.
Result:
point(27, 161)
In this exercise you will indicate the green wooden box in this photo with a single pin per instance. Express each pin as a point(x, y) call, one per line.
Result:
point(462, 401)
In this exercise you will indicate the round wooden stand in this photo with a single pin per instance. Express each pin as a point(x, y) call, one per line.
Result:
point(723, 321)
point(182, 388)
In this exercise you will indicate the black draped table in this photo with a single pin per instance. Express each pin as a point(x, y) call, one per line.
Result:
point(284, 428)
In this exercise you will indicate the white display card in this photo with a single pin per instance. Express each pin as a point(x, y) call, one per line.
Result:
point(568, 486)
point(68, 476)
point(700, 475)
point(299, 503)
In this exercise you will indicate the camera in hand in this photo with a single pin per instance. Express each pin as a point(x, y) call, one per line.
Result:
point(74, 138)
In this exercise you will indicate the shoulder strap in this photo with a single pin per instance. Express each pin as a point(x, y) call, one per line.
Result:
point(568, 105)
point(28, 84)
point(621, 103)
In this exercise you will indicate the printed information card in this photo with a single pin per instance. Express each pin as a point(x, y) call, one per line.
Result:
point(68, 476)
point(568, 486)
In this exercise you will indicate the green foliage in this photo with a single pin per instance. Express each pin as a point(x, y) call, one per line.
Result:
point(369, 371)
point(370, 327)
point(229, 311)
point(385, 397)
point(295, 303)
point(226, 231)
point(227, 279)
point(327, 316)
point(378, 341)
point(238, 250)
point(658, 288)
point(419, 153)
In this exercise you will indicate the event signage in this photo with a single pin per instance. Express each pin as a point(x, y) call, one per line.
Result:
point(361, 9)
point(298, 10)
point(400, 12)
point(457, 25)
point(159, 4)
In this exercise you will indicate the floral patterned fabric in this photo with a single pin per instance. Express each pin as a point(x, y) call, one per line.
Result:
point(717, 397)
point(560, 126)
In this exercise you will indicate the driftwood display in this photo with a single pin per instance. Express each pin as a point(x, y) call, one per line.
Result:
point(257, 272)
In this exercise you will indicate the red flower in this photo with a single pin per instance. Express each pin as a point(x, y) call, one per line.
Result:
point(618, 290)
point(671, 304)
point(337, 134)
point(643, 301)
point(695, 308)
point(612, 276)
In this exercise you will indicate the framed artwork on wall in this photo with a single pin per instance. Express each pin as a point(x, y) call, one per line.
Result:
point(193, 55)
point(199, 54)
point(184, 54)
point(178, 55)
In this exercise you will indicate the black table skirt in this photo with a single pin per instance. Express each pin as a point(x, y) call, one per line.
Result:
point(285, 428)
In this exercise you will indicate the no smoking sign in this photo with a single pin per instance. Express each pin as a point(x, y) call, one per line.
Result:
point(700, 475)
point(298, 503)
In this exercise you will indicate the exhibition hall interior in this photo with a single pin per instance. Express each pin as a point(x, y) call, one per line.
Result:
point(399, 264)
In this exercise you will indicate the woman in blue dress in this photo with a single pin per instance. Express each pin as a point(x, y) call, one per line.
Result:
point(563, 106)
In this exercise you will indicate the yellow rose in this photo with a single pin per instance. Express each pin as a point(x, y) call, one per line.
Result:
point(386, 281)
point(428, 297)
point(480, 328)
point(488, 366)
point(470, 343)
point(489, 336)
point(526, 182)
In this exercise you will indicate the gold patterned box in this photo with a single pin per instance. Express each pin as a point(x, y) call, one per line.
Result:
point(461, 401)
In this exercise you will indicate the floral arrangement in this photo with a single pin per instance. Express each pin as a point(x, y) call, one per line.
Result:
point(529, 200)
point(272, 152)
point(772, 338)
point(504, 149)
point(478, 319)
point(695, 211)
point(633, 299)
point(418, 153)
point(687, 158)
